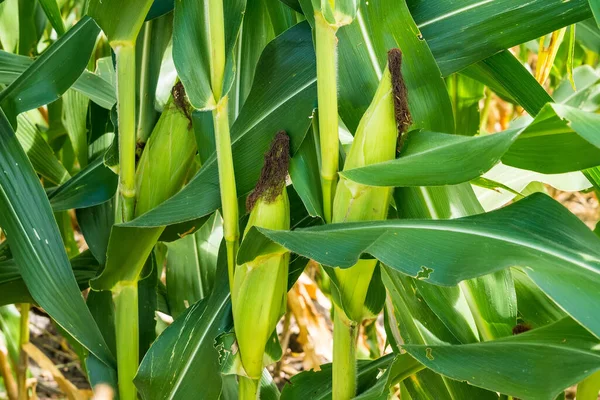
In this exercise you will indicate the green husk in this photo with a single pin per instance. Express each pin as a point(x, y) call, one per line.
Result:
point(260, 286)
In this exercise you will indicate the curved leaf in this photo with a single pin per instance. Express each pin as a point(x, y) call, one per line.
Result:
point(555, 249)
point(97, 89)
point(92, 186)
point(183, 361)
point(560, 139)
point(51, 74)
point(522, 366)
point(36, 244)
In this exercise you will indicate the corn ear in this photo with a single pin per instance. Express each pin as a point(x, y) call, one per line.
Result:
point(168, 154)
point(260, 287)
point(375, 141)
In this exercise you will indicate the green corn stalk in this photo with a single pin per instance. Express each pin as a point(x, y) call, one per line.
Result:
point(227, 185)
point(329, 17)
point(375, 142)
point(260, 286)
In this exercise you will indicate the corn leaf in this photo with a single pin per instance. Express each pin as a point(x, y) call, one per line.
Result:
point(51, 74)
point(92, 186)
point(53, 13)
point(567, 134)
point(505, 74)
point(506, 365)
point(40, 154)
point(97, 89)
point(174, 368)
point(35, 242)
point(536, 233)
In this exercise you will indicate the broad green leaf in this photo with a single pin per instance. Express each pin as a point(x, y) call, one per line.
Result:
point(435, 159)
point(159, 8)
point(483, 26)
point(34, 239)
point(523, 366)
point(13, 287)
point(53, 13)
point(97, 89)
point(565, 133)
point(92, 186)
point(28, 35)
point(126, 26)
point(282, 98)
point(412, 321)
point(293, 4)
point(192, 48)
point(504, 73)
point(128, 250)
point(191, 264)
point(183, 361)
point(477, 309)
point(51, 74)
point(40, 154)
point(536, 234)
point(147, 304)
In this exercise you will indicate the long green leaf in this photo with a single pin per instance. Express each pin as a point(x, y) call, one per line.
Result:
point(40, 154)
point(483, 27)
point(53, 13)
point(97, 89)
point(53, 72)
point(435, 159)
point(92, 186)
point(555, 249)
point(183, 362)
point(36, 244)
point(523, 366)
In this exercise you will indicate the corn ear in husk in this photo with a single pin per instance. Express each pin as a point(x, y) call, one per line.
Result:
point(375, 141)
point(260, 286)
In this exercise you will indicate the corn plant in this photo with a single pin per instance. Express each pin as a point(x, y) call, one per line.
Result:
point(406, 150)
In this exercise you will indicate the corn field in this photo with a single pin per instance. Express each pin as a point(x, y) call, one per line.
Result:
point(300, 199)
